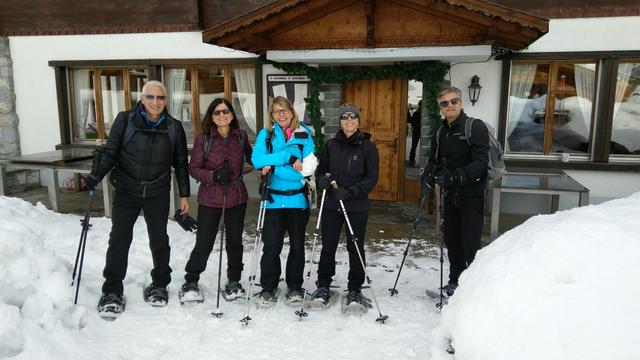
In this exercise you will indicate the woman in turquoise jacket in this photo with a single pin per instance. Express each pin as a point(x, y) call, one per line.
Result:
point(284, 148)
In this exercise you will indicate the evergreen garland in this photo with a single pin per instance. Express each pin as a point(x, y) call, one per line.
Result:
point(430, 73)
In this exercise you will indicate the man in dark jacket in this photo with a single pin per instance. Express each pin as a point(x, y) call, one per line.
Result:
point(461, 171)
point(142, 146)
point(350, 159)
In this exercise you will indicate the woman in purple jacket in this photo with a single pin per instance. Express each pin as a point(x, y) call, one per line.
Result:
point(219, 171)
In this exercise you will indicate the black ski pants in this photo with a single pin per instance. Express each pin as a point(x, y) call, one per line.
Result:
point(463, 221)
point(332, 223)
point(208, 222)
point(276, 222)
point(126, 209)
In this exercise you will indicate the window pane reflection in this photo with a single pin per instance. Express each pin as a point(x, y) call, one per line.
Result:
point(625, 134)
point(83, 104)
point(243, 93)
point(179, 100)
point(112, 93)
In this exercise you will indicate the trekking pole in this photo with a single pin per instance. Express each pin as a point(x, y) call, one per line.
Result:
point(81, 245)
point(217, 313)
point(301, 313)
point(443, 194)
point(381, 318)
point(425, 188)
point(254, 268)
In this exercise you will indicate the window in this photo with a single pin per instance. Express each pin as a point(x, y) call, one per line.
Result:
point(550, 107)
point(625, 133)
point(191, 89)
point(97, 95)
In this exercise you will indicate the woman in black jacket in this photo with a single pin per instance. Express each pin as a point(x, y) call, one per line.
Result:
point(351, 160)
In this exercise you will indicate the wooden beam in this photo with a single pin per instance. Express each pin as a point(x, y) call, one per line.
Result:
point(370, 13)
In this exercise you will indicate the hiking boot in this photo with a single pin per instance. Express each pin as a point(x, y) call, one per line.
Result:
point(354, 296)
point(190, 293)
point(449, 289)
point(355, 303)
point(268, 297)
point(322, 295)
point(111, 306)
point(233, 290)
point(156, 295)
point(294, 296)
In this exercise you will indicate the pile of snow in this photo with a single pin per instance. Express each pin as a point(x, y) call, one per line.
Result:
point(561, 286)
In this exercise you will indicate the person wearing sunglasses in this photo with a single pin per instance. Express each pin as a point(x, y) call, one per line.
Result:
point(143, 144)
point(284, 151)
point(459, 166)
point(217, 162)
point(350, 159)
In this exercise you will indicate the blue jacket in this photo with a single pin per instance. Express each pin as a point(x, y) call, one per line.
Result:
point(281, 158)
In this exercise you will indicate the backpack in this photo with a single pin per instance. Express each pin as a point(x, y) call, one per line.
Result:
point(130, 130)
point(496, 168)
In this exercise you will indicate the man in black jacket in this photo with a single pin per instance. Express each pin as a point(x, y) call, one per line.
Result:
point(351, 159)
point(142, 146)
point(461, 171)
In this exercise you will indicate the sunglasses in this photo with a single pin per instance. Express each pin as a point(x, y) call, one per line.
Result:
point(281, 111)
point(454, 101)
point(158, 97)
point(346, 116)
point(220, 112)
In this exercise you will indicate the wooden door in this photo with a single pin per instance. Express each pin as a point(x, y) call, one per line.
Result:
point(383, 109)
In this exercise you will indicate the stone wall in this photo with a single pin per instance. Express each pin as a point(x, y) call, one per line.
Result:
point(9, 136)
point(330, 101)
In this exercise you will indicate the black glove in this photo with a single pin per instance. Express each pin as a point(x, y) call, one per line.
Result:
point(447, 178)
point(262, 188)
point(426, 180)
point(222, 176)
point(343, 193)
point(323, 182)
point(91, 184)
point(185, 221)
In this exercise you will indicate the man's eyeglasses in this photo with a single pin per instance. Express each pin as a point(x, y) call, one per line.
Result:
point(159, 97)
point(346, 116)
point(454, 101)
point(281, 111)
point(220, 112)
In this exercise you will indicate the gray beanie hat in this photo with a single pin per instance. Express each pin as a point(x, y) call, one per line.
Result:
point(348, 108)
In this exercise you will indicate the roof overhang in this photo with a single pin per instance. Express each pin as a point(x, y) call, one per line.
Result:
point(472, 53)
point(372, 24)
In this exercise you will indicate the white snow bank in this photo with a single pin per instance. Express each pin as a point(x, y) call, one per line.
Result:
point(562, 286)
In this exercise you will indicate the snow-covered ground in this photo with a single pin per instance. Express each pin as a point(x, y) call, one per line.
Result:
point(562, 286)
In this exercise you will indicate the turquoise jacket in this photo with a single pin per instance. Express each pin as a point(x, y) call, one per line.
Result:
point(283, 155)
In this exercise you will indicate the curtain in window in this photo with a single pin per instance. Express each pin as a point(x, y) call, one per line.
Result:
point(585, 90)
point(176, 81)
point(246, 85)
point(83, 94)
point(624, 73)
point(522, 76)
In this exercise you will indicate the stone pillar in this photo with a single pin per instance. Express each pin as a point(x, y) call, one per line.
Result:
point(9, 136)
point(330, 101)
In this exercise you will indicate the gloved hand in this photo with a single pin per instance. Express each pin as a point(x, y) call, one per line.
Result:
point(262, 188)
point(426, 180)
point(447, 178)
point(323, 182)
point(222, 176)
point(91, 184)
point(185, 221)
point(343, 193)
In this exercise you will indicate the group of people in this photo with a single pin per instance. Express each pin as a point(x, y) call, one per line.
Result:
point(146, 142)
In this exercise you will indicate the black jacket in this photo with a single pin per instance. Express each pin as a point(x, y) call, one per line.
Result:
point(469, 162)
point(142, 166)
point(353, 164)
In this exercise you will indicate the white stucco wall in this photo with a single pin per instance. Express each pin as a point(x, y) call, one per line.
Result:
point(590, 34)
point(34, 79)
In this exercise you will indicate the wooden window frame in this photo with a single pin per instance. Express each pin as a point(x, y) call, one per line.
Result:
point(602, 114)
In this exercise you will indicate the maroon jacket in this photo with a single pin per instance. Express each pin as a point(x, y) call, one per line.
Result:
point(210, 194)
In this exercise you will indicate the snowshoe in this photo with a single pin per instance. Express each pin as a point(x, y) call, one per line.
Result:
point(111, 306)
point(156, 295)
point(432, 294)
point(449, 289)
point(232, 291)
point(294, 297)
point(355, 303)
point(267, 298)
point(322, 298)
point(190, 293)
